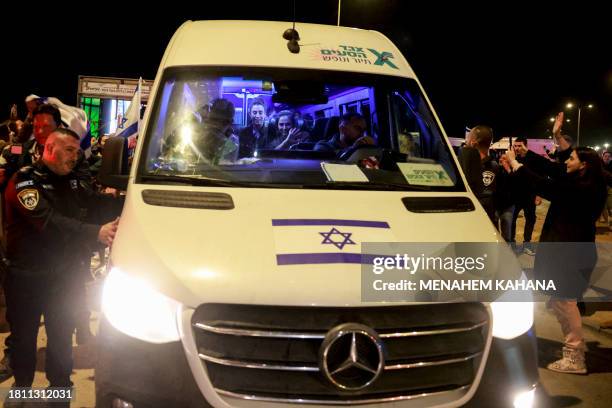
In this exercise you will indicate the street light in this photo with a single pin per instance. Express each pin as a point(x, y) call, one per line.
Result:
point(570, 105)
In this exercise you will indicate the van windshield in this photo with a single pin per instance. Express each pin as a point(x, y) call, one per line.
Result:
point(290, 128)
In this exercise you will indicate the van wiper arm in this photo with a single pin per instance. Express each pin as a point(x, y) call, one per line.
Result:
point(370, 186)
point(191, 180)
point(211, 182)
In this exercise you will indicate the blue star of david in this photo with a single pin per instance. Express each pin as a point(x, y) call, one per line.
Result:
point(123, 120)
point(346, 238)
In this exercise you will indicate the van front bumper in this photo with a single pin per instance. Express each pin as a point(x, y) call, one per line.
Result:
point(159, 375)
point(143, 374)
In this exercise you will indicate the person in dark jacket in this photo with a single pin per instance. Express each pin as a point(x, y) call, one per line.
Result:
point(351, 134)
point(46, 119)
point(495, 191)
point(258, 134)
point(52, 219)
point(577, 192)
point(525, 200)
point(606, 156)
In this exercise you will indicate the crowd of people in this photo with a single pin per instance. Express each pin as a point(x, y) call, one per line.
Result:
point(55, 216)
point(576, 182)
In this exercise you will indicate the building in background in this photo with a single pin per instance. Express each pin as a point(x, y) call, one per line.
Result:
point(106, 100)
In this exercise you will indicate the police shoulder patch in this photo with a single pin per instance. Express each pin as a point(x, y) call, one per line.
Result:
point(488, 177)
point(24, 184)
point(28, 198)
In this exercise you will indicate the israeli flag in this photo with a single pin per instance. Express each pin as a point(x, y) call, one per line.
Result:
point(131, 121)
point(86, 143)
point(326, 241)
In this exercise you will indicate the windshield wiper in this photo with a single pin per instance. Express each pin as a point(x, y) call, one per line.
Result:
point(370, 186)
point(191, 180)
point(211, 182)
point(204, 181)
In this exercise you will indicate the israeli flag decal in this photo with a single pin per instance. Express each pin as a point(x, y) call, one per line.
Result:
point(326, 241)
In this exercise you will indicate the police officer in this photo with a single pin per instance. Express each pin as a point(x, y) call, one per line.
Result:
point(51, 219)
point(496, 191)
point(45, 118)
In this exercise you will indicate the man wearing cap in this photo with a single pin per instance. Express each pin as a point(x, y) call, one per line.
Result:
point(32, 102)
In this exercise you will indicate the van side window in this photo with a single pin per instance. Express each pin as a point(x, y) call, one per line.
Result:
point(417, 136)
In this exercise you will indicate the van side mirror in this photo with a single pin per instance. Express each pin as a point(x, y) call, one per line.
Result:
point(114, 169)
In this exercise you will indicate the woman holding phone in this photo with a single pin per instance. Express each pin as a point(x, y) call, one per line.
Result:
point(577, 193)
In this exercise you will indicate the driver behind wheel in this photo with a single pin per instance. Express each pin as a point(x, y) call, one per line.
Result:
point(351, 133)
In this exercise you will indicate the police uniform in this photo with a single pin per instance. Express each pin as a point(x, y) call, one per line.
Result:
point(14, 157)
point(497, 196)
point(52, 223)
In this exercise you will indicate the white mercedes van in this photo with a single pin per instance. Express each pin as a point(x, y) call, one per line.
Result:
point(235, 276)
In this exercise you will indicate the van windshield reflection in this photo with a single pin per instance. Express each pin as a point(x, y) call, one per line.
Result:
point(287, 128)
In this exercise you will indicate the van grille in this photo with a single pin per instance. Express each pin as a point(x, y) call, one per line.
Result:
point(272, 353)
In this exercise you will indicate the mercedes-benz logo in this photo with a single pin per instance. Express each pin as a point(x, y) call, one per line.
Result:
point(351, 356)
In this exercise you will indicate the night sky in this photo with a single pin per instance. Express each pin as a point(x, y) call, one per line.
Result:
point(511, 67)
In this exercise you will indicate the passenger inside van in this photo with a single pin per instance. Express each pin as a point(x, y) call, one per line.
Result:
point(288, 130)
point(351, 135)
point(217, 142)
point(258, 134)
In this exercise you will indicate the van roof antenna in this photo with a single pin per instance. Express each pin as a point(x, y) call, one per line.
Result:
point(292, 36)
point(339, 5)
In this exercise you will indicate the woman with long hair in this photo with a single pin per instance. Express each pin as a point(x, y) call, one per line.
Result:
point(577, 193)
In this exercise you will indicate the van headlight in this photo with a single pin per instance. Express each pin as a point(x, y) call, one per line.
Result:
point(511, 319)
point(136, 309)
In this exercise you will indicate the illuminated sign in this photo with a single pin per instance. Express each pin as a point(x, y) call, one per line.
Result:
point(113, 88)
